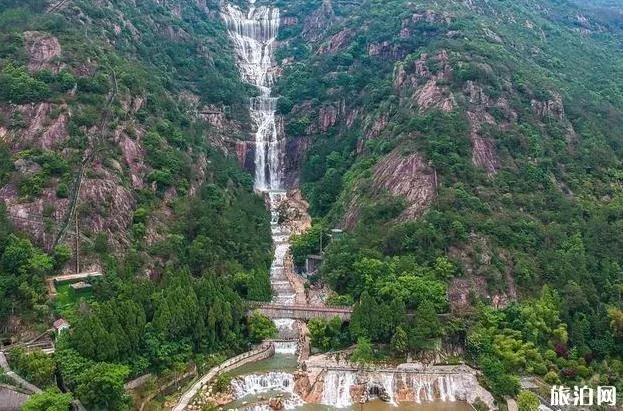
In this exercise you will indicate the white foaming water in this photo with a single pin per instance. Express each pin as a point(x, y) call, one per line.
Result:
point(423, 390)
point(336, 389)
point(253, 35)
point(284, 324)
point(283, 292)
point(388, 384)
point(287, 329)
point(286, 347)
point(264, 383)
point(446, 388)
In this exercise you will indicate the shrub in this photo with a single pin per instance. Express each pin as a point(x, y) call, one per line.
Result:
point(222, 383)
point(18, 86)
point(260, 327)
point(62, 190)
point(552, 378)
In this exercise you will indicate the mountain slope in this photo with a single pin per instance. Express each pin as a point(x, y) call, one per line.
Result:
point(479, 144)
point(116, 119)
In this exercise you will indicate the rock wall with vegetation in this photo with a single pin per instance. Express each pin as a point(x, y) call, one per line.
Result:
point(118, 120)
point(472, 152)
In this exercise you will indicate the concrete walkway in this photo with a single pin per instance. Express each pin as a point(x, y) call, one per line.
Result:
point(19, 381)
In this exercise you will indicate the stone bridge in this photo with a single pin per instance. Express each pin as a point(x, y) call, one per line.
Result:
point(303, 312)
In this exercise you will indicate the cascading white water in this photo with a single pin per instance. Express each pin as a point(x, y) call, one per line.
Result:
point(281, 382)
point(253, 35)
point(286, 347)
point(287, 329)
point(258, 383)
point(283, 292)
point(447, 388)
point(423, 390)
point(336, 388)
point(388, 384)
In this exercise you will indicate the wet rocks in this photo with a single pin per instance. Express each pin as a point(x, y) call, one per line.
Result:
point(276, 403)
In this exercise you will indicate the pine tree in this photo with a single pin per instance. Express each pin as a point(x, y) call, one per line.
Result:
point(400, 342)
point(363, 354)
point(425, 326)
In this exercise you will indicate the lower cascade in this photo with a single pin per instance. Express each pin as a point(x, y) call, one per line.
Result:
point(341, 389)
point(286, 347)
point(259, 383)
point(279, 382)
point(336, 388)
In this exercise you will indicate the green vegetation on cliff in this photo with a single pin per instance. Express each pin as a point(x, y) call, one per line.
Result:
point(472, 150)
point(107, 97)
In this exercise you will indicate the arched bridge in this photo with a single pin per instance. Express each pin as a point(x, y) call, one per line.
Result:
point(303, 312)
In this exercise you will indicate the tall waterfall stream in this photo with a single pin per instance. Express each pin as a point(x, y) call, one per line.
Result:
point(253, 34)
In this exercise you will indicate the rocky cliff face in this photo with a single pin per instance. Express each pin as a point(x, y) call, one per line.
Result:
point(89, 143)
point(403, 176)
point(381, 97)
point(42, 49)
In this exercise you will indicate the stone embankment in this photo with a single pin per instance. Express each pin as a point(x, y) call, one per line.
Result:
point(266, 350)
point(19, 381)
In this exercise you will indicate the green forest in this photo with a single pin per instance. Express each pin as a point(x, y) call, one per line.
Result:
point(214, 249)
point(545, 224)
point(509, 115)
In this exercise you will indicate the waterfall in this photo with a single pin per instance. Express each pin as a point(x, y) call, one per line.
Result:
point(387, 382)
point(423, 390)
point(281, 382)
point(446, 388)
point(286, 347)
point(285, 324)
point(283, 292)
point(253, 35)
point(259, 383)
point(442, 388)
point(336, 389)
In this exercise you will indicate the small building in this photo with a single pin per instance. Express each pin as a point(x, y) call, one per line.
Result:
point(60, 325)
point(80, 287)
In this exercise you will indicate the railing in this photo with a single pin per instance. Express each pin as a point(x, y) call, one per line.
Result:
point(165, 386)
point(391, 370)
point(299, 307)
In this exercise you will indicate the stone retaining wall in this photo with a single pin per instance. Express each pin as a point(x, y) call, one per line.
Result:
point(261, 353)
point(137, 382)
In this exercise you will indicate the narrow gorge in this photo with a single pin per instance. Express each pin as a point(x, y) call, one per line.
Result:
point(253, 34)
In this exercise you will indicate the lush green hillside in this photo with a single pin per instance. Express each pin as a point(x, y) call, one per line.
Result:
point(102, 132)
point(472, 150)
